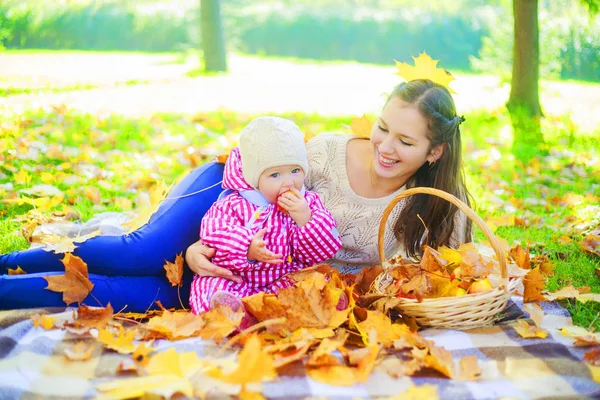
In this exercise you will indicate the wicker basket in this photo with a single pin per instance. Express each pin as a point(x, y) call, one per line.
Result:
point(461, 312)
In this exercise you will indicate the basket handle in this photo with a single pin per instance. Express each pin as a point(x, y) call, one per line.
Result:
point(458, 203)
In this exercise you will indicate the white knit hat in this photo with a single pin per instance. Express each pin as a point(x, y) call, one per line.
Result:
point(270, 142)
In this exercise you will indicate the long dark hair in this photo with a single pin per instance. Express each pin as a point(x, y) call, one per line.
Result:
point(436, 105)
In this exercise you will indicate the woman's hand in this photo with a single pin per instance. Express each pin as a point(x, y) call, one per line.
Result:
point(197, 257)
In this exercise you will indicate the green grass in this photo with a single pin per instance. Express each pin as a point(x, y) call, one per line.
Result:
point(122, 157)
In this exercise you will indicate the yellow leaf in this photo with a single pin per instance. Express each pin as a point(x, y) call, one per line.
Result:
point(122, 343)
point(17, 271)
point(362, 126)
point(414, 392)
point(530, 331)
point(177, 325)
point(47, 177)
point(337, 375)
point(140, 355)
point(22, 177)
point(43, 321)
point(425, 68)
point(254, 365)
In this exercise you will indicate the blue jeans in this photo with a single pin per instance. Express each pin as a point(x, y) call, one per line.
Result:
point(126, 270)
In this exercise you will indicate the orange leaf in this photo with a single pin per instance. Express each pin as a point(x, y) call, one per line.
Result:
point(521, 256)
point(17, 271)
point(175, 270)
point(593, 356)
point(81, 351)
point(220, 322)
point(440, 359)
point(140, 355)
point(222, 158)
point(89, 317)
point(74, 283)
point(534, 285)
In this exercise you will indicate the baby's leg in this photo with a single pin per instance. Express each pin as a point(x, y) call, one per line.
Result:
point(170, 231)
point(136, 294)
point(204, 289)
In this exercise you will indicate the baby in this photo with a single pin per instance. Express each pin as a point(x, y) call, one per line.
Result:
point(270, 225)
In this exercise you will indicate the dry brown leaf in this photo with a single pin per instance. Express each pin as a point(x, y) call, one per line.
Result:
point(74, 283)
point(469, 369)
point(530, 331)
point(90, 317)
point(521, 256)
point(534, 284)
point(365, 279)
point(593, 356)
point(81, 351)
point(591, 244)
point(568, 292)
point(175, 270)
point(312, 304)
point(17, 271)
point(264, 307)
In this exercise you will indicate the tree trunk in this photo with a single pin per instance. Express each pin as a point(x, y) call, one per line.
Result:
point(524, 101)
point(213, 42)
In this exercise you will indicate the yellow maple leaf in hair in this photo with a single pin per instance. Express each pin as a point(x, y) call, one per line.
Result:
point(362, 126)
point(425, 68)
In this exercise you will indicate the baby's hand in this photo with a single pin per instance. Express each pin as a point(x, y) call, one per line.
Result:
point(258, 250)
point(296, 205)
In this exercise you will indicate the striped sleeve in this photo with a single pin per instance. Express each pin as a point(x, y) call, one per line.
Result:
point(318, 240)
point(223, 229)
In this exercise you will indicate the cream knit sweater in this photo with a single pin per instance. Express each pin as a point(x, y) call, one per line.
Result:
point(357, 217)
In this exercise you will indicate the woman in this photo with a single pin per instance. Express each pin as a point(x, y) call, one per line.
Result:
point(415, 142)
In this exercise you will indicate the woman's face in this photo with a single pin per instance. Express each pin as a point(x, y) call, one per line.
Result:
point(400, 143)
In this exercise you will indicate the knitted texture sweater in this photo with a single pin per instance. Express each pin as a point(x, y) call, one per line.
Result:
point(357, 217)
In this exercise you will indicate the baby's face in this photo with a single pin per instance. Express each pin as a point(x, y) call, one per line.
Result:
point(276, 180)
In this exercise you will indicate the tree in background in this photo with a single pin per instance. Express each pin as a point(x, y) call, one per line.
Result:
point(524, 101)
point(213, 41)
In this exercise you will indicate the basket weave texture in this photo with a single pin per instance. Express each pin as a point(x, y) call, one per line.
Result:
point(461, 312)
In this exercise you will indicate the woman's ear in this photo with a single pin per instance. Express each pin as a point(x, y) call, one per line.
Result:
point(436, 153)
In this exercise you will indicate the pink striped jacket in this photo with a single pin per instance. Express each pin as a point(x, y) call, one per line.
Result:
point(231, 222)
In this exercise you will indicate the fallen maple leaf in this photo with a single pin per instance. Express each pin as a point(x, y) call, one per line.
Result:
point(121, 343)
point(593, 356)
point(581, 336)
point(254, 365)
point(439, 359)
point(90, 317)
point(521, 256)
point(17, 271)
point(533, 284)
point(530, 331)
point(175, 270)
point(61, 244)
point(74, 283)
point(176, 325)
point(81, 351)
point(43, 321)
point(591, 244)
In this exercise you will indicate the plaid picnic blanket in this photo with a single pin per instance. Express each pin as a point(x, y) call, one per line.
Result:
point(33, 365)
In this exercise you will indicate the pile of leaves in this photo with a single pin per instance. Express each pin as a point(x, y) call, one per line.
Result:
point(301, 324)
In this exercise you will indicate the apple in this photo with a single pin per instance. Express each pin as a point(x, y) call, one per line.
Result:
point(480, 286)
point(460, 292)
point(283, 210)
